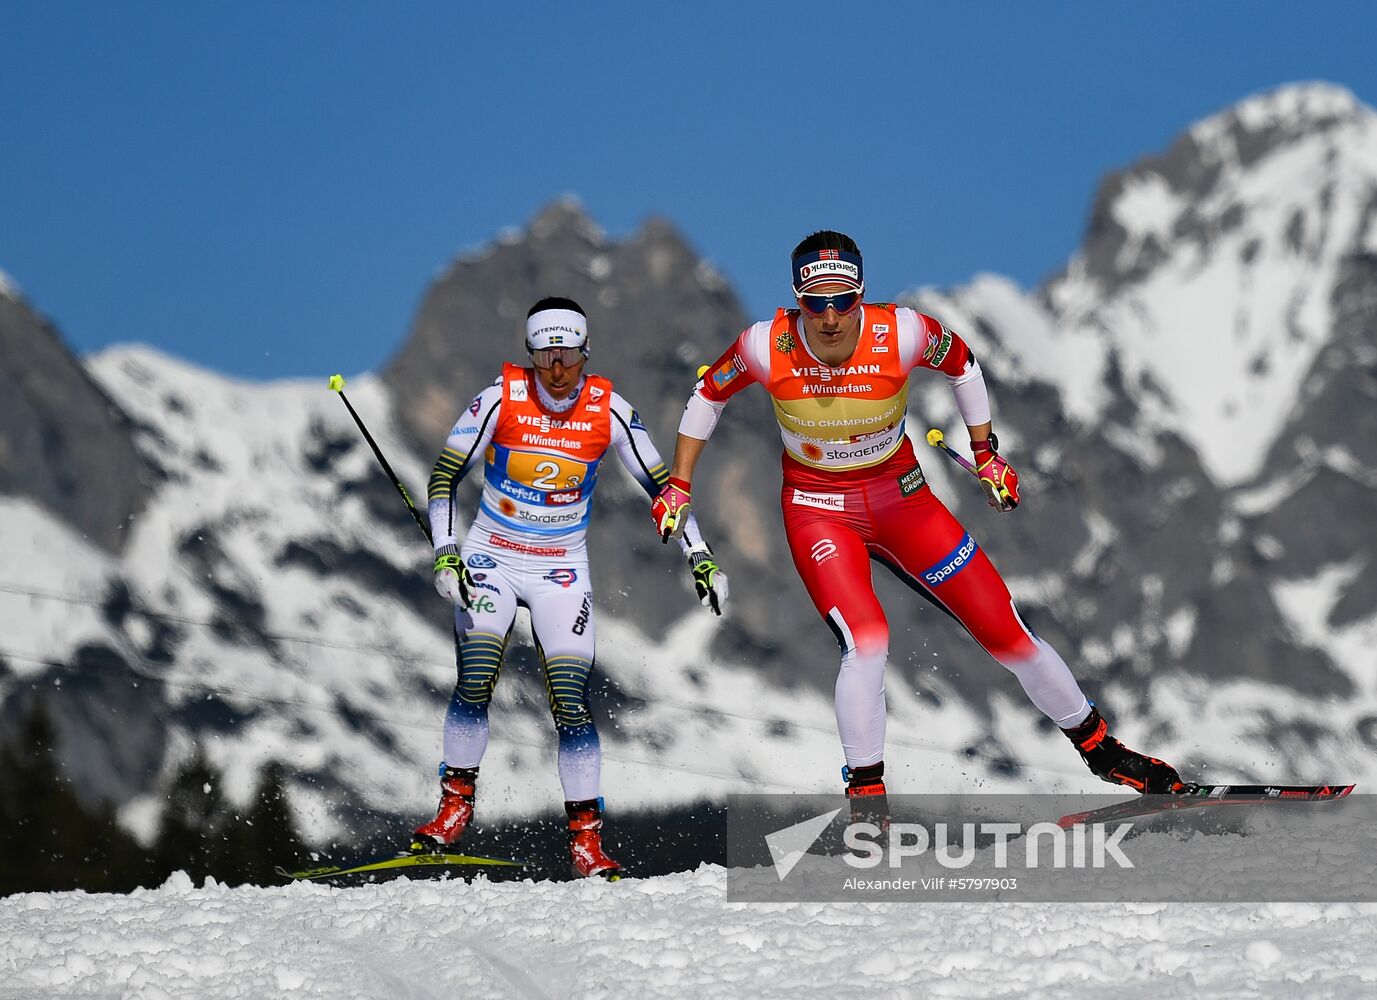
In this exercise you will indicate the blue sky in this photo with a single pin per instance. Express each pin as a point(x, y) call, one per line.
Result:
point(267, 189)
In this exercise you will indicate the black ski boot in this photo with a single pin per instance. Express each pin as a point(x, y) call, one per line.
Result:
point(1116, 763)
point(865, 788)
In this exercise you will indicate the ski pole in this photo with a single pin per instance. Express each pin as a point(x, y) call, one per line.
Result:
point(337, 385)
point(936, 440)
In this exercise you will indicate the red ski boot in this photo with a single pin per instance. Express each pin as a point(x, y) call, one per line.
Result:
point(454, 814)
point(585, 841)
point(865, 787)
point(1116, 763)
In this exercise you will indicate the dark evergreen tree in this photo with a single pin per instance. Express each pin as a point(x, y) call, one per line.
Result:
point(268, 835)
point(49, 841)
point(190, 836)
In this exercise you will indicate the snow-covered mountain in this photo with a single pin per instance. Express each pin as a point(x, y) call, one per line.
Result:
point(1190, 406)
point(1209, 355)
point(1210, 271)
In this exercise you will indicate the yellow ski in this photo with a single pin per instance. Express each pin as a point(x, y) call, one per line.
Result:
point(393, 862)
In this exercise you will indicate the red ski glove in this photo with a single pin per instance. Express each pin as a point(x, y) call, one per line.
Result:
point(997, 477)
point(670, 509)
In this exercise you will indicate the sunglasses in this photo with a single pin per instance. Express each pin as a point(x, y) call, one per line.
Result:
point(546, 357)
point(843, 302)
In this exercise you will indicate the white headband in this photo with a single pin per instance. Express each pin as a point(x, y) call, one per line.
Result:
point(556, 328)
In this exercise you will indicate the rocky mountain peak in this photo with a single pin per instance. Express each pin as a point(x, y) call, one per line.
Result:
point(472, 316)
point(63, 442)
point(1274, 150)
point(1265, 123)
point(1208, 270)
point(565, 218)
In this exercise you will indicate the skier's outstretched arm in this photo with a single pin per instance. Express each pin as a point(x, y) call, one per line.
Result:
point(468, 438)
point(737, 368)
point(642, 459)
point(937, 348)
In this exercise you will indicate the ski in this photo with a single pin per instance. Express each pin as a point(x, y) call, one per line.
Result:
point(1197, 796)
point(400, 861)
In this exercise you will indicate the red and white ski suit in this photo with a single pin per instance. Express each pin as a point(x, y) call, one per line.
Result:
point(853, 491)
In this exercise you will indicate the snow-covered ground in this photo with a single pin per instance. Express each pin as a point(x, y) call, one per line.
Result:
point(672, 936)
